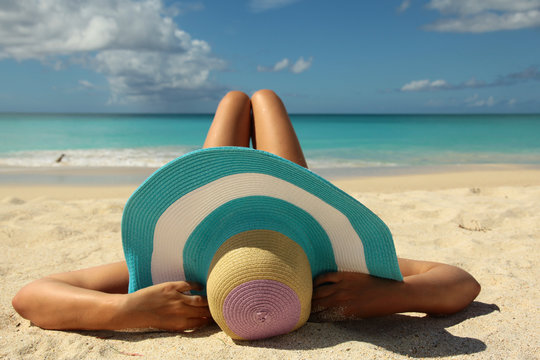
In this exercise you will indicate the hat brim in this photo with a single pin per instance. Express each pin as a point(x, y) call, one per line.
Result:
point(174, 223)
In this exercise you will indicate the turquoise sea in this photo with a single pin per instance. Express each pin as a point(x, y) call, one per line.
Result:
point(329, 141)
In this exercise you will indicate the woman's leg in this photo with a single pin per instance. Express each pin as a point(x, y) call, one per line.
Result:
point(232, 122)
point(272, 128)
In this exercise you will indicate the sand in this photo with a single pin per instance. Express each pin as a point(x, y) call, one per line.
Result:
point(486, 221)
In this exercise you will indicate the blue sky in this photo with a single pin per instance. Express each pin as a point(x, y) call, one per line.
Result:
point(386, 56)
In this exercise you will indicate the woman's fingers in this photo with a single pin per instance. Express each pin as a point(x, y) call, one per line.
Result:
point(197, 305)
point(191, 305)
point(194, 300)
point(193, 286)
point(320, 304)
point(196, 311)
point(324, 291)
point(185, 323)
point(194, 323)
point(183, 286)
point(328, 278)
point(325, 285)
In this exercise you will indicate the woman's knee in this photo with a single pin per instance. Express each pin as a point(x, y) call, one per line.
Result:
point(264, 95)
point(236, 96)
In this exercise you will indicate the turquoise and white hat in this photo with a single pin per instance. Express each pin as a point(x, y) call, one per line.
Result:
point(195, 211)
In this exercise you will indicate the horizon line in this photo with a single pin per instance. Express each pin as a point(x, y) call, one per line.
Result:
point(290, 113)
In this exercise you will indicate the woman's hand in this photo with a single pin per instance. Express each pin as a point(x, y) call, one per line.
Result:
point(166, 306)
point(96, 299)
point(349, 295)
point(428, 287)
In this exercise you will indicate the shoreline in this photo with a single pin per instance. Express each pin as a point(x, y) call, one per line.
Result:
point(102, 183)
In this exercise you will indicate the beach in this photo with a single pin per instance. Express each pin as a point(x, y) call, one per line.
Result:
point(426, 113)
point(485, 219)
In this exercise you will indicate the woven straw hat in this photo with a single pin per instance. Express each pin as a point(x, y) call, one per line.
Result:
point(254, 229)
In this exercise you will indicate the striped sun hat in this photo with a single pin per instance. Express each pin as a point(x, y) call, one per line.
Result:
point(254, 229)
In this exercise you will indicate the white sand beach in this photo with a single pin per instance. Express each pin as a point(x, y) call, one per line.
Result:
point(485, 220)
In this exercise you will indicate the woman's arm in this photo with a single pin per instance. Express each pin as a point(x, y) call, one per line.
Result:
point(96, 298)
point(428, 287)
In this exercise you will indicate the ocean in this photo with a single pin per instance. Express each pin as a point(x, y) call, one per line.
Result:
point(340, 142)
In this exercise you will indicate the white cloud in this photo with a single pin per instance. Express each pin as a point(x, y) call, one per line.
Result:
point(478, 16)
point(139, 76)
point(474, 83)
point(531, 73)
point(486, 22)
point(299, 66)
point(490, 101)
point(280, 65)
point(438, 83)
point(86, 84)
point(415, 85)
point(512, 102)
point(424, 85)
point(37, 29)
point(141, 51)
point(476, 101)
point(181, 8)
point(404, 6)
point(469, 7)
point(264, 5)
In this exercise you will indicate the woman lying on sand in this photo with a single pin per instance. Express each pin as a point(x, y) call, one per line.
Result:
point(98, 298)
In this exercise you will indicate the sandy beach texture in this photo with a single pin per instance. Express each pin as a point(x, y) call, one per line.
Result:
point(486, 221)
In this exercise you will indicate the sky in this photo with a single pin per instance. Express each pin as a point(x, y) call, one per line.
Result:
point(320, 56)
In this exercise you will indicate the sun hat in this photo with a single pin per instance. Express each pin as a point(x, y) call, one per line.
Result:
point(254, 229)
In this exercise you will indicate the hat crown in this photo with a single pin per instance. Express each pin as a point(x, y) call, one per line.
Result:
point(259, 285)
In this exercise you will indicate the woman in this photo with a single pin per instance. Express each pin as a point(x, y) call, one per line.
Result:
point(97, 298)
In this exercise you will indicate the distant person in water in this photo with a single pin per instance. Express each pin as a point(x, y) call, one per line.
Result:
point(60, 158)
point(98, 298)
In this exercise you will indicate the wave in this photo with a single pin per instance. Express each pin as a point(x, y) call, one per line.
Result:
point(338, 163)
point(151, 157)
point(154, 157)
point(132, 157)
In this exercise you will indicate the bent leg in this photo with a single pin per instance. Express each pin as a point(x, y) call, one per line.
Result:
point(272, 128)
point(232, 123)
